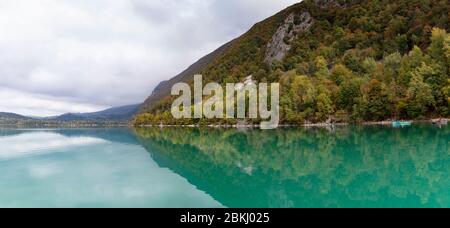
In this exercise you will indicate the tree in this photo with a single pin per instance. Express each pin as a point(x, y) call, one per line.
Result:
point(420, 98)
point(321, 67)
point(340, 73)
point(434, 75)
point(439, 39)
point(415, 57)
point(446, 92)
point(377, 102)
point(324, 107)
point(410, 63)
point(303, 93)
point(352, 61)
point(447, 51)
point(349, 91)
point(391, 66)
point(369, 66)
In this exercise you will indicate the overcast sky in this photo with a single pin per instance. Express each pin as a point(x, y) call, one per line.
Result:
point(59, 56)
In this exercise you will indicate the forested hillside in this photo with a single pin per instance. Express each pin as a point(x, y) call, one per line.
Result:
point(348, 61)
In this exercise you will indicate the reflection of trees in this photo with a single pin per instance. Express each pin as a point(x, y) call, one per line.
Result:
point(353, 166)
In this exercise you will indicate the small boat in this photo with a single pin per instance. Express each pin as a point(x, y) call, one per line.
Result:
point(401, 124)
point(440, 122)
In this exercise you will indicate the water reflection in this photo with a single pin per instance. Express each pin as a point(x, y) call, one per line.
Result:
point(341, 167)
point(35, 143)
point(346, 167)
point(87, 168)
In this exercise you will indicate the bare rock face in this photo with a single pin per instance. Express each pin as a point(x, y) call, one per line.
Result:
point(281, 41)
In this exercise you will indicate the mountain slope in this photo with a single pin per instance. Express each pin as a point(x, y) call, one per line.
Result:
point(7, 115)
point(12, 118)
point(11, 115)
point(340, 59)
point(228, 57)
point(164, 88)
point(123, 113)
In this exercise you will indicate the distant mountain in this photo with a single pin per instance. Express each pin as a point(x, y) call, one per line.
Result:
point(122, 113)
point(7, 118)
point(12, 116)
point(117, 114)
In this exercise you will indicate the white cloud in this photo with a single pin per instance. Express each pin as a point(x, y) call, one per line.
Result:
point(101, 53)
point(41, 105)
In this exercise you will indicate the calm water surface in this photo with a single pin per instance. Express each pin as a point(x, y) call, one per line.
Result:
point(342, 167)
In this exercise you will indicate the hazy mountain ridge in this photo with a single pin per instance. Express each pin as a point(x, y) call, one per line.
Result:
point(118, 114)
point(11, 116)
point(122, 113)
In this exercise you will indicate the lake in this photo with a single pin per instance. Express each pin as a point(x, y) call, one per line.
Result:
point(374, 166)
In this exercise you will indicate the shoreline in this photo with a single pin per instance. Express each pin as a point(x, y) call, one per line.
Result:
point(68, 126)
point(219, 126)
point(307, 125)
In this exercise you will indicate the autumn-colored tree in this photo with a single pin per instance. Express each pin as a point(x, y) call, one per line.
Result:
point(420, 98)
point(371, 60)
point(439, 44)
point(324, 107)
point(340, 74)
point(377, 101)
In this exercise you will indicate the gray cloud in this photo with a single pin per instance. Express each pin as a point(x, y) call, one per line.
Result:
point(77, 56)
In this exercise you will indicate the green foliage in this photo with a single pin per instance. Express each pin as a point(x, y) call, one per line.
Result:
point(303, 93)
point(372, 60)
point(446, 93)
point(376, 101)
point(437, 49)
point(321, 67)
point(353, 61)
point(420, 98)
point(349, 92)
point(340, 74)
point(369, 65)
point(324, 107)
point(391, 66)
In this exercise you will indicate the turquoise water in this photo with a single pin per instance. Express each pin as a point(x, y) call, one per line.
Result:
point(342, 167)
